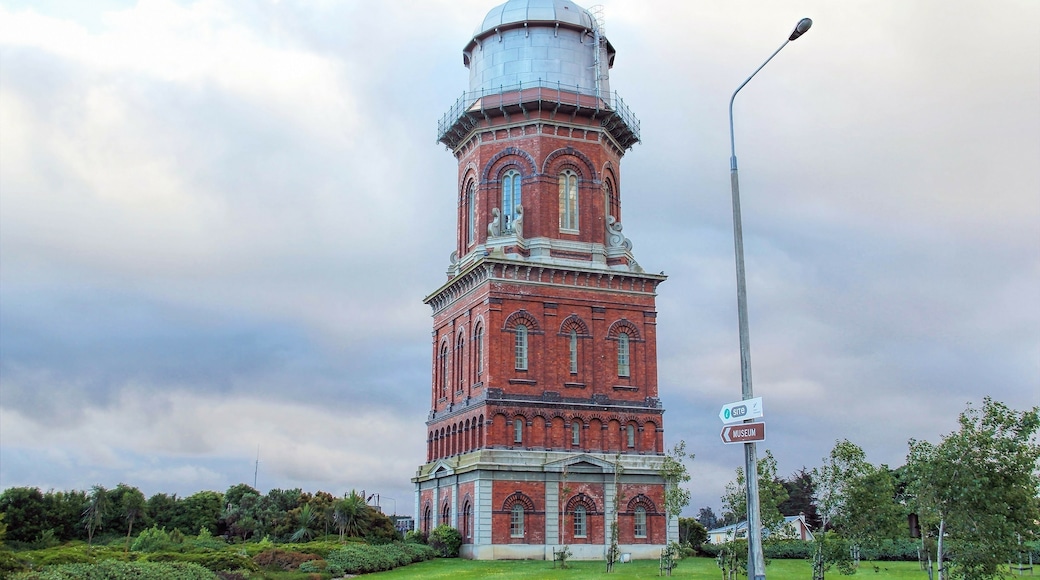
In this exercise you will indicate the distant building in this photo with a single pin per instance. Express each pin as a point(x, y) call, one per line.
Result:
point(793, 528)
point(544, 344)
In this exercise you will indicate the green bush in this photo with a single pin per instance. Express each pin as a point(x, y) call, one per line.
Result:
point(414, 537)
point(446, 540)
point(787, 549)
point(215, 561)
point(109, 569)
point(362, 558)
point(153, 540)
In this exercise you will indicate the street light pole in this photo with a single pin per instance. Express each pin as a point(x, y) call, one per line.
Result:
point(756, 567)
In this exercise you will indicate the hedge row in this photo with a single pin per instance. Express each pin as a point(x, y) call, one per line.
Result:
point(887, 550)
point(361, 558)
point(117, 570)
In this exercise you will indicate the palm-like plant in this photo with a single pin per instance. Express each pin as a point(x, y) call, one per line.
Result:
point(305, 521)
point(348, 514)
point(94, 513)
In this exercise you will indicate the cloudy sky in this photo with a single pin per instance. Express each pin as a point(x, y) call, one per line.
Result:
point(219, 218)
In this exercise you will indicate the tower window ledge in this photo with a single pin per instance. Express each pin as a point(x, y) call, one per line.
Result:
point(625, 388)
point(523, 382)
point(574, 385)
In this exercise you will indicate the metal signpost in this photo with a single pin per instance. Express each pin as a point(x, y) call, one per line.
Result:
point(756, 567)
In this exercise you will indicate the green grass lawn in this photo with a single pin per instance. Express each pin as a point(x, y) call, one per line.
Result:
point(703, 568)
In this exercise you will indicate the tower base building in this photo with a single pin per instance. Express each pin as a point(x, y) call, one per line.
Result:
point(545, 427)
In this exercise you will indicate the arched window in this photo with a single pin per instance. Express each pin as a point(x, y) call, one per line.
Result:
point(568, 181)
point(460, 382)
point(443, 360)
point(516, 521)
point(478, 348)
point(510, 198)
point(521, 347)
point(471, 213)
point(467, 524)
point(427, 516)
point(573, 348)
point(623, 365)
point(576, 433)
point(446, 514)
point(613, 203)
point(518, 431)
point(631, 436)
point(640, 522)
point(580, 526)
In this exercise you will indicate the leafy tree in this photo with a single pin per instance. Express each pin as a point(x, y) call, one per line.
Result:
point(870, 512)
point(771, 494)
point(199, 510)
point(845, 464)
point(977, 490)
point(241, 517)
point(691, 532)
point(162, 510)
point(94, 513)
point(674, 472)
point(131, 506)
point(26, 513)
point(707, 518)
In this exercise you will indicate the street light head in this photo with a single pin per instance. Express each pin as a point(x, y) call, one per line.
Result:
point(801, 28)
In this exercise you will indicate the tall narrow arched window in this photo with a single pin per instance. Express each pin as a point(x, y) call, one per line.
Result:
point(568, 182)
point(623, 358)
point(576, 433)
point(640, 522)
point(478, 349)
point(443, 361)
point(460, 353)
point(613, 203)
point(573, 349)
point(518, 431)
point(630, 435)
point(516, 521)
point(446, 515)
point(580, 524)
point(426, 519)
point(511, 198)
point(471, 213)
point(467, 523)
point(521, 347)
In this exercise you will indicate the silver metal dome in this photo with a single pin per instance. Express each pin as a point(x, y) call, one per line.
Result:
point(539, 43)
point(518, 11)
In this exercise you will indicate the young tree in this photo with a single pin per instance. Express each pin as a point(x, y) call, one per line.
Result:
point(131, 506)
point(977, 489)
point(674, 472)
point(845, 464)
point(870, 512)
point(771, 494)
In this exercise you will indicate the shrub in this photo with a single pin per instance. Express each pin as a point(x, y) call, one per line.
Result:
point(282, 559)
point(115, 569)
point(153, 540)
point(362, 558)
point(214, 561)
point(414, 537)
point(788, 549)
point(446, 540)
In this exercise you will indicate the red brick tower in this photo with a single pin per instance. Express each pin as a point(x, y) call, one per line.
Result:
point(545, 427)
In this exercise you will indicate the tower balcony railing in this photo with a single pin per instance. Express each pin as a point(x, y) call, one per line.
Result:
point(474, 106)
